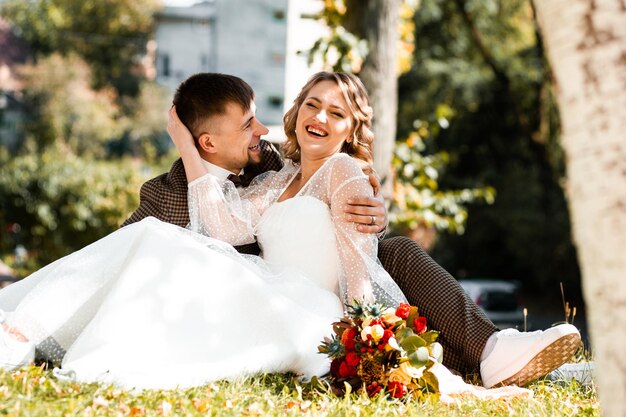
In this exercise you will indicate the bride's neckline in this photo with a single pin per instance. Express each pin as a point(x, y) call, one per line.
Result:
point(297, 174)
point(291, 181)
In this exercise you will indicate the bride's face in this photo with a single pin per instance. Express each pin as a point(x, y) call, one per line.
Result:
point(324, 121)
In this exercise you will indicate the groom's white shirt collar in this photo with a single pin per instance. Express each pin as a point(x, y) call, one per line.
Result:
point(221, 173)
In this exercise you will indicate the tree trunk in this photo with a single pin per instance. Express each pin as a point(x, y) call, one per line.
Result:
point(586, 44)
point(377, 22)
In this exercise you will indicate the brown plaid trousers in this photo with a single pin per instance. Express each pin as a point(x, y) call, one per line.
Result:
point(464, 327)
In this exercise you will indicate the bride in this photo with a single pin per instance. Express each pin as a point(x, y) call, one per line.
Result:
point(157, 306)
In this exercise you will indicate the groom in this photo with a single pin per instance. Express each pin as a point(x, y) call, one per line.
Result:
point(471, 341)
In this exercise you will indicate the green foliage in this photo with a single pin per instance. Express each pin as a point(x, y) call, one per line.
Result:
point(110, 35)
point(484, 59)
point(70, 182)
point(66, 111)
point(143, 121)
point(344, 48)
point(61, 202)
point(340, 50)
point(417, 199)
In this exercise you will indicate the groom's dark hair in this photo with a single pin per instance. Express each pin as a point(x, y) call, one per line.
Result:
point(204, 95)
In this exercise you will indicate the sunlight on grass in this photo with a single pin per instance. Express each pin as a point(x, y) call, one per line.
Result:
point(35, 392)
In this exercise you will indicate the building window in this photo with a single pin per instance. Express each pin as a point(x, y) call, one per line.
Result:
point(278, 14)
point(204, 62)
point(275, 101)
point(201, 26)
point(164, 65)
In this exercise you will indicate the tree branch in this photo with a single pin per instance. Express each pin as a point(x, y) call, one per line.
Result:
point(480, 44)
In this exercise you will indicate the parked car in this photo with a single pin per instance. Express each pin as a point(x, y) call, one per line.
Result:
point(499, 299)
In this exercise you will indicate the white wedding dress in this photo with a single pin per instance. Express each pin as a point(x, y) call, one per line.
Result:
point(153, 305)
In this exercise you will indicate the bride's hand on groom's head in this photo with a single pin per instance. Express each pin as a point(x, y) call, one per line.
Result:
point(178, 132)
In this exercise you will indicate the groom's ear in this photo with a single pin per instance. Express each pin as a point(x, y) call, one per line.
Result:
point(206, 143)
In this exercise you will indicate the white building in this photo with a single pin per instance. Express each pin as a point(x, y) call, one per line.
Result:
point(257, 40)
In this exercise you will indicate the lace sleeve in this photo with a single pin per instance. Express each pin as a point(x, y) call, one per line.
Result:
point(362, 276)
point(217, 210)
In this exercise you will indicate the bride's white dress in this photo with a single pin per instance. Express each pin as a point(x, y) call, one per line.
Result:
point(153, 305)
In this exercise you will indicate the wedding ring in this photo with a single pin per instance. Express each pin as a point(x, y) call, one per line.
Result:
point(373, 222)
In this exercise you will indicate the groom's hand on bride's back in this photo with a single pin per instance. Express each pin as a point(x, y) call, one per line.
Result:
point(368, 212)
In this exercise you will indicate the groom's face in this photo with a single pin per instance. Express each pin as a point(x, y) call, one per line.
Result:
point(236, 136)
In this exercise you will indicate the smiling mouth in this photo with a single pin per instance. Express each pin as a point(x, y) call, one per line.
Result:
point(316, 132)
point(255, 147)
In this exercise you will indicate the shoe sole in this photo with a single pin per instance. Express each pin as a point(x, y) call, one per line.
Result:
point(546, 361)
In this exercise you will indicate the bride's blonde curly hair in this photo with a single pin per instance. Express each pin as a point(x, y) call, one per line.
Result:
point(360, 143)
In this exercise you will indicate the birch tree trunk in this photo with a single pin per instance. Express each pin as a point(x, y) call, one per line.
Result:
point(586, 45)
point(377, 21)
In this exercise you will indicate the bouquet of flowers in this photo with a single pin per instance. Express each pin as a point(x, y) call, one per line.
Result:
point(382, 349)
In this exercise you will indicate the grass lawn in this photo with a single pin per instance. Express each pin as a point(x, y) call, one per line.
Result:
point(33, 391)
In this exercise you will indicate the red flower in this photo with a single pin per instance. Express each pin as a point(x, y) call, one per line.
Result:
point(346, 370)
point(387, 335)
point(397, 389)
point(353, 359)
point(403, 310)
point(420, 324)
point(334, 367)
point(347, 339)
point(373, 389)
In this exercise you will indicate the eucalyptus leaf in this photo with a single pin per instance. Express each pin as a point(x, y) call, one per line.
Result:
point(412, 343)
point(419, 358)
point(404, 333)
point(430, 336)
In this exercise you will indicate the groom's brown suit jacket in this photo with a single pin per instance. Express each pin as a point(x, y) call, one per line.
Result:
point(464, 327)
point(165, 197)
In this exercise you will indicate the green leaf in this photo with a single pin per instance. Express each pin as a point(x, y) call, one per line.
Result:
point(403, 333)
point(430, 336)
point(412, 343)
point(429, 381)
point(419, 358)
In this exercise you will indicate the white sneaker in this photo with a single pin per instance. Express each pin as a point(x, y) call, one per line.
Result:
point(13, 353)
point(518, 358)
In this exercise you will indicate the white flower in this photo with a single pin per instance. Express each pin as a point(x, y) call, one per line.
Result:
point(377, 332)
point(411, 370)
point(367, 331)
point(392, 344)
